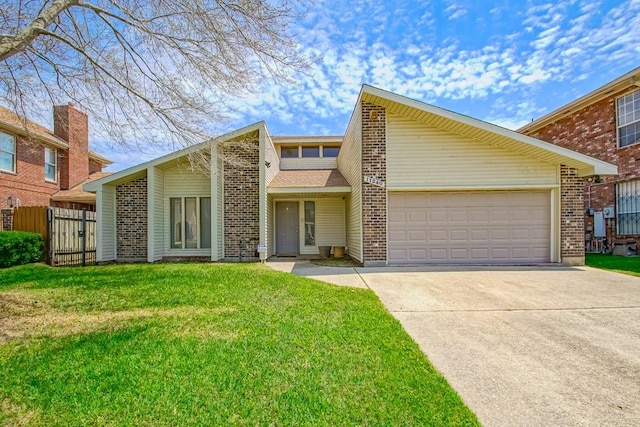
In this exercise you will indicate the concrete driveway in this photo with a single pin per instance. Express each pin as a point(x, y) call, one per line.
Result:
point(522, 346)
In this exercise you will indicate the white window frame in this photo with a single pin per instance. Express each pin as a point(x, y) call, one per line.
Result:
point(13, 154)
point(54, 164)
point(183, 213)
point(635, 119)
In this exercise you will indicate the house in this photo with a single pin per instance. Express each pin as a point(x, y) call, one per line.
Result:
point(40, 167)
point(603, 124)
point(407, 183)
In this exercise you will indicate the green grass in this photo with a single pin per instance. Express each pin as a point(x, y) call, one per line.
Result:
point(204, 344)
point(621, 264)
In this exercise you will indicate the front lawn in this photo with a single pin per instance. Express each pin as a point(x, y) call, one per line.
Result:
point(207, 344)
point(621, 264)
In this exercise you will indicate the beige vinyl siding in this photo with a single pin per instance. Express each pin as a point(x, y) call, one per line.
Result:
point(309, 163)
point(156, 208)
point(271, 156)
point(330, 225)
point(106, 208)
point(179, 181)
point(424, 157)
point(350, 166)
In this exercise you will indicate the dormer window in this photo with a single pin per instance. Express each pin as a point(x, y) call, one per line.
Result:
point(628, 115)
point(289, 152)
point(330, 151)
point(311, 151)
point(308, 151)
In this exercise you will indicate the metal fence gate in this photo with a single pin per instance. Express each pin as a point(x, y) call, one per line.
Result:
point(71, 237)
point(69, 234)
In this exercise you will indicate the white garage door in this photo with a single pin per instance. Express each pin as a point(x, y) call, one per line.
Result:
point(494, 227)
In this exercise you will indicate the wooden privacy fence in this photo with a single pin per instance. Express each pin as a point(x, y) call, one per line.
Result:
point(69, 234)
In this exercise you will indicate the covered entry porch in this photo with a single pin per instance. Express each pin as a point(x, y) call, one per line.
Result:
point(307, 210)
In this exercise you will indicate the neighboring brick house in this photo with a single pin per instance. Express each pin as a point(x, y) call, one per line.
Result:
point(408, 183)
point(604, 124)
point(40, 167)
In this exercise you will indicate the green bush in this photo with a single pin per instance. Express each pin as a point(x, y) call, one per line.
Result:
point(20, 247)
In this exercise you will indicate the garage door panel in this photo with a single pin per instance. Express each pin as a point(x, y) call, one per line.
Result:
point(479, 235)
point(499, 235)
point(397, 216)
point(397, 236)
point(458, 216)
point(417, 254)
point(521, 234)
point(459, 254)
point(477, 227)
point(438, 254)
point(436, 236)
point(418, 236)
point(437, 216)
point(419, 217)
point(459, 235)
point(476, 217)
point(479, 254)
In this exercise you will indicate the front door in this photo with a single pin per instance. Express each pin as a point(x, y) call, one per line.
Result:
point(287, 240)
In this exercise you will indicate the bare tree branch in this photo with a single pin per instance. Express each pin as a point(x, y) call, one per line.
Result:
point(10, 45)
point(148, 72)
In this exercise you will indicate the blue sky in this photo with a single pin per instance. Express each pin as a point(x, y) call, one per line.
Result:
point(503, 62)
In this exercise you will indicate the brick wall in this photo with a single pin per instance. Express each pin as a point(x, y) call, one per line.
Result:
point(94, 167)
point(571, 217)
point(27, 183)
point(131, 220)
point(241, 197)
point(72, 125)
point(592, 131)
point(374, 198)
point(6, 219)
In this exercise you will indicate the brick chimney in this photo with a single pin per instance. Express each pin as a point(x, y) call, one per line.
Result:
point(72, 125)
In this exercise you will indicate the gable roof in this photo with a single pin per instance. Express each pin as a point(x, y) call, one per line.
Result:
point(22, 126)
point(139, 170)
point(484, 132)
point(626, 81)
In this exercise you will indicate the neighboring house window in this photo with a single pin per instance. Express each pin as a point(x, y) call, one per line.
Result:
point(50, 164)
point(330, 151)
point(7, 152)
point(309, 223)
point(310, 151)
point(190, 222)
point(628, 208)
point(628, 109)
point(289, 152)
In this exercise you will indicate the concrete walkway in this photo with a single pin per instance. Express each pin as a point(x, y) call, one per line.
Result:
point(522, 345)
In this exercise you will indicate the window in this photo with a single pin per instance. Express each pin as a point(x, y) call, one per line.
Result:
point(190, 222)
point(288, 152)
point(50, 164)
point(330, 151)
point(628, 207)
point(628, 109)
point(310, 151)
point(309, 223)
point(7, 152)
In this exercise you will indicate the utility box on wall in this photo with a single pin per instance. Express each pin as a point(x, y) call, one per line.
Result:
point(609, 212)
